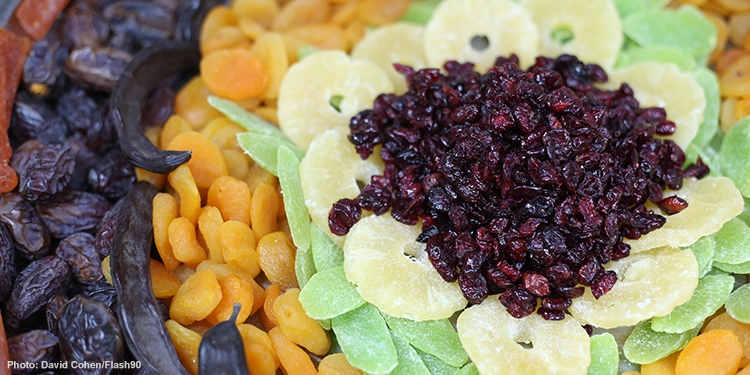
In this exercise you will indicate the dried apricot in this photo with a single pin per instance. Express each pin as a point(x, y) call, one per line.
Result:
point(196, 298)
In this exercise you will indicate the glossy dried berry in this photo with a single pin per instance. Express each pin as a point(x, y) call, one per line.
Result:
point(30, 235)
point(72, 212)
point(34, 346)
point(79, 250)
point(34, 287)
point(113, 175)
point(525, 182)
point(90, 333)
point(48, 173)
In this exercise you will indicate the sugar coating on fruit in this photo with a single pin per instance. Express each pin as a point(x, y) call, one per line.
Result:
point(400, 43)
point(648, 284)
point(457, 25)
point(500, 344)
point(392, 271)
point(593, 35)
point(664, 85)
point(329, 172)
point(306, 93)
point(712, 202)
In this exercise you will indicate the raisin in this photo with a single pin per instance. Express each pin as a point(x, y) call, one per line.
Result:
point(79, 250)
point(34, 346)
point(7, 263)
point(52, 311)
point(34, 287)
point(35, 119)
point(72, 212)
point(89, 332)
point(48, 173)
point(30, 235)
point(113, 175)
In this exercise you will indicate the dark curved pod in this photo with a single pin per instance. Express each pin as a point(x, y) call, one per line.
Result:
point(138, 310)
point(221, 351)
point(145, 72)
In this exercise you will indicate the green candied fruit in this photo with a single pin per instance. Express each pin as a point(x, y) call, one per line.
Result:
point(742, 268)
point(436, 337)
point(644, 345)
point(710, 126)
point(685, 29)
point(469, 369)
point(436, 365)
point(364, 337)
point(732, 243)
point(738, 304)
point(627, 7)
point(247, 120)
point(263, 149)
point(409, 361)
point(635, 54)
point(604, 355)
point(294, 199)
point(326, 254)
point(707, 298)
point(734, 153)
point(703, 249)
point(329, 294)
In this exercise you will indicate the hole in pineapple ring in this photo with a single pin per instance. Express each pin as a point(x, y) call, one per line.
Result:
point(562, 34)
point(335, 102)
point(479, 42)
point(526, 345)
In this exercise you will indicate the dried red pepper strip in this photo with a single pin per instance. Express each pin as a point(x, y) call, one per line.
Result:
point(14, 51)
point(37, 16)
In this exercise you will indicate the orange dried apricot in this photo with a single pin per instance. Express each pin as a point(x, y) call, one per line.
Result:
point(223, 133)
point(164, 283)
point(261, 11)
point(216, 19)
point(381, 12)
point(714, 352)
point(337, 364)
point(294, 360)
point(165, 209)
point(323, 36)
point(302, 12)
point(267, 316)
point(182, 181)
point(263, 209)
point(232, 197)
point(186, 343)
point(234, 289)
point(735, 80)
point(225, 38)
point(238, 247)
point(196, 298)
point(276, 251)
point(664, 366)
point(298, 326)
point(223, 270)
point(238, 164)
point(209, 223)
point(742, 330)
point(235, 74)
point(185, 246)
point(191, 103)
point(207, 163)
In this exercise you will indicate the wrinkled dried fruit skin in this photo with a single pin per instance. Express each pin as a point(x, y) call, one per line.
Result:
point(79, 251)
point(106, 232)
point(45, 62)
point(146, 22)
point(112, 176)
point(80, 109)
point(84, 26)
point(33, 347)
point(72, 212)
point(35, 119)
point(103, 292)
point(96, 67)
point(52, 311)
point(89, 332)
point(7, 263)
point(526, 182)
point(34, 287)
point(48, 173)
point(30, 235)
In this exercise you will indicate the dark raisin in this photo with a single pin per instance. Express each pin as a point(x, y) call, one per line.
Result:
point(113, 175)
point(79, 250)
point(34, 287)
point(7, 263)
point(344, 214)
point(48, 173)
point(52, 311)
point(35, 347)
point(96, 67)
point(30, 235)
point(73, 212)
point(89, 332)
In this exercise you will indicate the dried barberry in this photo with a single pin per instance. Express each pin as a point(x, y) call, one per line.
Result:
point(526, 182)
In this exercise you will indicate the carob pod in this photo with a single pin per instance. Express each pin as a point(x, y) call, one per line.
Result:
point(221, 351)
point(145, 72)
point(190, 15)
point(138, 311)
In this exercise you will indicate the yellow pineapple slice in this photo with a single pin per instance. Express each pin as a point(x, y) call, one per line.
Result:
point(324, 91)
point(664, 85)
point(588, 29)
point(392, 271)
point(712, 201)
point(649, 284)
point(500, 344)
point(479, 31)
point(330, 171)
point(396, 43)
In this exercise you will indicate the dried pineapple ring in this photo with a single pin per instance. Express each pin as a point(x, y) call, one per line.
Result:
point(396, 43)
point(594, 35)
point(664, 85)
point(457, 24)
point(305, 97)
point(649, 284)
point(330, 171)
point(498, 343)
point(712, 201)
point(392, 271)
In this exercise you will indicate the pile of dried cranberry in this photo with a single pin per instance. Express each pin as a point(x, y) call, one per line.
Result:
point(526, 182)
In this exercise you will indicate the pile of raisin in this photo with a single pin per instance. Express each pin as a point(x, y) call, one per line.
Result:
point(525, 182)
